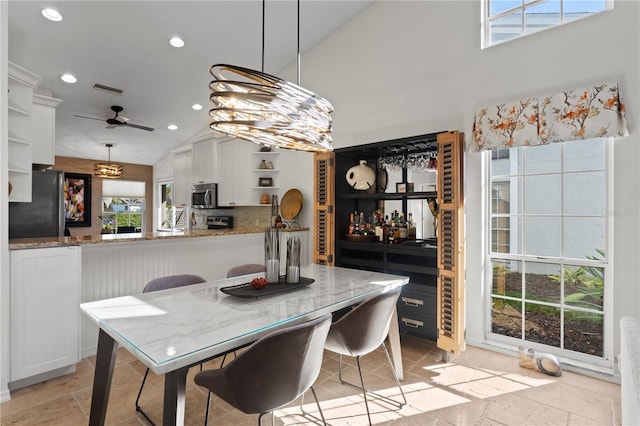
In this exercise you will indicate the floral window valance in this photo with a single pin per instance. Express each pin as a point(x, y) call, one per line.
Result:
point(589, 113)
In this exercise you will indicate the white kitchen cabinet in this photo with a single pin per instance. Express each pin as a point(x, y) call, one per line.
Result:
point(204, 160)
point(182, 176)
point(45, 314)
point(234, 173)
point(19, 102)
point(43, 118)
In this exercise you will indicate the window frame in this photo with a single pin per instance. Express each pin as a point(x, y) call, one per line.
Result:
point(602, 364)
point(487, 19)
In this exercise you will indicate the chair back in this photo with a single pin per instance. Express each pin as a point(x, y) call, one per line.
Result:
point(363, 330)
point(274, 370)
point(249, 268)
point(172, 281)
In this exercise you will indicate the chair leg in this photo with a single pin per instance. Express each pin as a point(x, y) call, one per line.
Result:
point(138, 408)
point(395, 375)
point(324, 422)
point(364, 390)
point(206, 413)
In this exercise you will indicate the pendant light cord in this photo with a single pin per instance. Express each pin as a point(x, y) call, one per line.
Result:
point(298, 59)
point(263, 8)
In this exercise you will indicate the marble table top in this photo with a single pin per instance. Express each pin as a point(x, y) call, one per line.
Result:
point(175, 328)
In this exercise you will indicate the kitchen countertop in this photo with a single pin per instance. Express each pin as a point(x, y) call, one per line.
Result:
point(31, 243)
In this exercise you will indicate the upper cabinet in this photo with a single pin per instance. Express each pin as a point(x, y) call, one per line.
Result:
point(43, 117)
point(19, 101)
point(205, 155)
point(182, 175)
point(234, 173)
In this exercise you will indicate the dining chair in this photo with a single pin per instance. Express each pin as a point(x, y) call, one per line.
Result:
point(361, 331)
point(164, 283)
point(248, 268)
point(275, 370)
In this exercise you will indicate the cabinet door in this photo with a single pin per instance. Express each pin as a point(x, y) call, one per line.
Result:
point(234, 173)
point(182, 178)
point(43, 119)
point(226, 166)
point(204, 161)
point(45, 298)
point(243, 176)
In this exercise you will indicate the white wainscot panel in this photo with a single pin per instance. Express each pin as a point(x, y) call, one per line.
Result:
point(120, 269)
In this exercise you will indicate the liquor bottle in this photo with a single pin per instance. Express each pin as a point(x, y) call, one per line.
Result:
point(356, 227)
point(352, 224)
point(411, 228)
point(393, 231)
point(385, 230)
point(378, 225)
point(402, 228)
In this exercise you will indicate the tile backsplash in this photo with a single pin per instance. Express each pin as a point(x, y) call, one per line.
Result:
point(243, 217)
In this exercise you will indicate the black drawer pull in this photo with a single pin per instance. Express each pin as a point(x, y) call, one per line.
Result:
point(412, 302)
point(412, 323)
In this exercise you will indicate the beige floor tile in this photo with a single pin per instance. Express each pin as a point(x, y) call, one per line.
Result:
point(478, 387)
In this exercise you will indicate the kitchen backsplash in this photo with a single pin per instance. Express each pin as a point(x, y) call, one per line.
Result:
point(243, 217)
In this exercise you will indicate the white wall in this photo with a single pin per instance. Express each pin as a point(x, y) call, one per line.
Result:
point(406, 68)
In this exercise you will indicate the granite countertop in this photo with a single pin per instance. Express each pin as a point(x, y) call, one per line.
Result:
point(31, 243)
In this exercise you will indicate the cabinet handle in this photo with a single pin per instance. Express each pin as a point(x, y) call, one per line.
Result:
point(412, 302)
point(412, 323)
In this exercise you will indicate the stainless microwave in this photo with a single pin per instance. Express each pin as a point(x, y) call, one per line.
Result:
point(204, 196)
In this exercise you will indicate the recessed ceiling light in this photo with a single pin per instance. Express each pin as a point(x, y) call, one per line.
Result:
point(172, 127)
point(176, 41)
point(51, 14)
point(68, 78)
point(196, 107)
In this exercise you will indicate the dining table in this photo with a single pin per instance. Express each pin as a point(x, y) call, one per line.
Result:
point(170, 331)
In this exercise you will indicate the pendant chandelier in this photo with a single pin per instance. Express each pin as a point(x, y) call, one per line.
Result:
point(267, 110)
point(108, 170)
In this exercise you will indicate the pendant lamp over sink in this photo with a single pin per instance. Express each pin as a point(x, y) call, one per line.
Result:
point(108, 170)
point(267, 110)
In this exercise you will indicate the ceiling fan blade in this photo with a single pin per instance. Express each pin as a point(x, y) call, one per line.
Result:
point(90, 118)
point(111, 126)
point(138, 126)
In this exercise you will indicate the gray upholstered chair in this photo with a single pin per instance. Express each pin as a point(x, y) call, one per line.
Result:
point(249, 268)
point(164, 283)
point(273, 371)
point(362, 331)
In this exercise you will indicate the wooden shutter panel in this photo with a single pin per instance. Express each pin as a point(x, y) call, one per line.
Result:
point(324, 187)
point(450, 242)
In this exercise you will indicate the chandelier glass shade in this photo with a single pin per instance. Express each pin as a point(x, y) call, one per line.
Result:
point(108, 170)
point(265, 109)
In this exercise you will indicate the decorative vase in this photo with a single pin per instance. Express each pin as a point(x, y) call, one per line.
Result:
point(361, 177)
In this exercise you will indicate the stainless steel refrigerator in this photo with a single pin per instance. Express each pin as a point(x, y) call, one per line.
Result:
point(44, 215)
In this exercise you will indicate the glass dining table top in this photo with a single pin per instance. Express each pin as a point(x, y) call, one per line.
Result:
point(174, 328)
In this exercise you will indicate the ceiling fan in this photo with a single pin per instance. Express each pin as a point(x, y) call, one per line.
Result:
point(118, 120)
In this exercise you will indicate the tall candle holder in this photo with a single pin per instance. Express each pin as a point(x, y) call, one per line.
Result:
point(272, 254)
point(293, 260)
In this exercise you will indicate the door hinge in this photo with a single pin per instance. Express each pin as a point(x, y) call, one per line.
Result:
point(330, 258)
point(330, 209)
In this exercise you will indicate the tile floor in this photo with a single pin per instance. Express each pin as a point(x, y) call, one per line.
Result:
point(477, 387)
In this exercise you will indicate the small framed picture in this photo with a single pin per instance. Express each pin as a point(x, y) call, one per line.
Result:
point(409, 186)
point(401, 187)
point(265, 181)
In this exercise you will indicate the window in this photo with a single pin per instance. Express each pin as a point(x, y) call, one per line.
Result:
point(549, 244)
point(123, 206)
point(508, 19)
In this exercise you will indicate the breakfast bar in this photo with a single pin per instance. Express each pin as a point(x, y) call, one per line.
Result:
point(172, 330)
